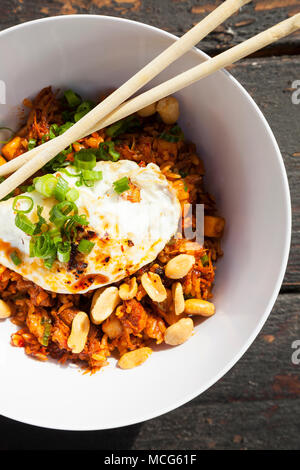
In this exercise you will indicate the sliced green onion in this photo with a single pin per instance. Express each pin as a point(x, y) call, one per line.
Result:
point(31, 144)
point(43, 246)
point(15, 258)
point(90, 175)
point(64, 252)
point(121, 185)
point(53, 131)
point(61, 189)
point(123, 126)
point(47, 331)
point(24, 224)
point(27, 189)
point(85, 159)
point(59, 212)
point(175, 134)
point(29, 202)
point(107, 151)
point(45, 185)
point(205, 260)
point(85, 246)
point(64, 127)
point(68, 173)
point(41, 221)
point(48, 263)
point(55, 235)
point(72, 195)
point(72, 98)
point(83, 109)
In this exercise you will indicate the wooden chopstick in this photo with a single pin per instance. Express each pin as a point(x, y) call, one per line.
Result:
point(173, 85)
point(208, 67)
point(157, 65)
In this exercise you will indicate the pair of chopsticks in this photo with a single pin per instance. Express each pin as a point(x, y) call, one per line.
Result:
point(114, 107)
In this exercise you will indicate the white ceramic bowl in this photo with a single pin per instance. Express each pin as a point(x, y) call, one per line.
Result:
point(244, 170)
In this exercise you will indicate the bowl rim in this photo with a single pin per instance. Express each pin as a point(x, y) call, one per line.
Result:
point(287, 241)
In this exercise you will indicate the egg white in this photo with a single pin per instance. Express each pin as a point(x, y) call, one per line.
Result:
point(129, 235)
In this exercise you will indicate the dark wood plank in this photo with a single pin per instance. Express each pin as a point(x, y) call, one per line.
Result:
point(256, 405)
point(269, 82)
point(176, 16)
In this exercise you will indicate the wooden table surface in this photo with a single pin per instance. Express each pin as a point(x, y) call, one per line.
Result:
point(256, 405)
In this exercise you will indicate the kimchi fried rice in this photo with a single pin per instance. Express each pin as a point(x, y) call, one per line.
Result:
point(156, 303)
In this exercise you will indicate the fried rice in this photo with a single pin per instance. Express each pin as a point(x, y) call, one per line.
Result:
point(139, 321)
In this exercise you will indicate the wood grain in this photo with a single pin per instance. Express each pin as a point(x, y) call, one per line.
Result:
point(176, 16)
point(269, 82)
point(256, 405)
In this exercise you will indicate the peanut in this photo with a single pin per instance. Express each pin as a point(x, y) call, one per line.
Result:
point(168, 109)
point(134, 358)
point(199, 307)
point(179, 332)
point(152, 284)
point(128, 291)
point(5, 310)
point(179, 266)
point(104, 303)
point(79, 332)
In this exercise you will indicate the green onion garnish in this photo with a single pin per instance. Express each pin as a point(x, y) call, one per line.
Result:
point(121, 185)
point(15, 258)
point(45, 185)
point(107, 151)
point(64, 252)
point(123, 126)
point(85, 159)
point(175, 134)
point(29, 202)
point(205, 260)
point(41, 221)
point(59, 212)
point(24, 224)
point(72, 195)
point(61, 189)
point(68, 173)
point(85, 246)
point(72, 98)
point(90, 175)
point(31, 144)
point(47, 331)
point(83, 109)
point(43, 246)
point(65, 127)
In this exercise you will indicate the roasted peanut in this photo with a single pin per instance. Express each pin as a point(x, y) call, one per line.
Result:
point(152, 284)
point(148, 110)
point(213, 226)
point(179, 266)
point(79, 332)
point(134, 358)
point(112, 327)
point(104, 303)
point(178, 298)
point(179, 332)
point(128, 291)
point(199, 307)
point(5, 310)
point(168, 109)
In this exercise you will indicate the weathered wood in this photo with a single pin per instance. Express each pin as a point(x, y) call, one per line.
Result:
point(176, 16)
point(255, 406)
point(269, 82)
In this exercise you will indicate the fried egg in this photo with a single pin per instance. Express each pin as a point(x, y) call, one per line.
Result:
point(127, 233)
